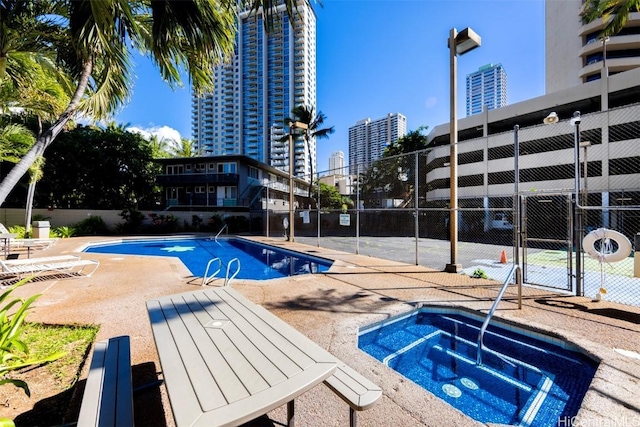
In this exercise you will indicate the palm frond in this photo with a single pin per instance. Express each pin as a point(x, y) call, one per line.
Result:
point(267, 10)
point(614, 13)
point(15, 140)
point(190, 35)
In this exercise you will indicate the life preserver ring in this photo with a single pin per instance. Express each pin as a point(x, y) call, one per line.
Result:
point(624, 245)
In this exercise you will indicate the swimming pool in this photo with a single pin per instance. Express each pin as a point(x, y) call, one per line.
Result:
point(525, 379)
point(258, 262)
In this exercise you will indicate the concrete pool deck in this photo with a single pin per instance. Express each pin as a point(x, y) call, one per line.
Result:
point(329, 308)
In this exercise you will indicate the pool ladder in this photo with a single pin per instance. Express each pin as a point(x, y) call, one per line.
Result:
point(514, 270)
point(227, 280)
point(220, 232)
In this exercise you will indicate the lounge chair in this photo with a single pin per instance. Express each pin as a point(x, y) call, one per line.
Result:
point(70, 265)
point(28, 243)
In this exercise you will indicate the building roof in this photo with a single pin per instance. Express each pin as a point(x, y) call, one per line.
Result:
point(623, 89)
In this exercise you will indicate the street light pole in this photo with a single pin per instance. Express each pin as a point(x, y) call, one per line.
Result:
point(605, 71)
point(292, 127)
point(459, 44)
point(575, 121)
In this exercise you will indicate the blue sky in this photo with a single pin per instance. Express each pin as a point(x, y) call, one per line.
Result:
point(384, 56)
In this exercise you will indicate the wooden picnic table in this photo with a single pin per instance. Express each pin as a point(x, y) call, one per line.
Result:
point(226, 360)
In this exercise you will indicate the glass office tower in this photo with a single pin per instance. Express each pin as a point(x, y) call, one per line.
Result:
point(486, 87)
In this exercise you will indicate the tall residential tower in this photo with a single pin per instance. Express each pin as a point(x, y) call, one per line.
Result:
point(576, 52)
point(486, 87)
point(336, 163)
point(368, 139)
point(268, 75)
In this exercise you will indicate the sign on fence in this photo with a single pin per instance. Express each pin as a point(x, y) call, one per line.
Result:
point(345, 219)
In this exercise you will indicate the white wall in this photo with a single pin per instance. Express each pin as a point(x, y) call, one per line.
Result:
point(65, 217)
point(562, 44)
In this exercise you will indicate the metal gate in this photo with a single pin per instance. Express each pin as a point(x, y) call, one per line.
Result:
point(547, 236)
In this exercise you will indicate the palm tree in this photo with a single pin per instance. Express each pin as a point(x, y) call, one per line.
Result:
point(185, 148)
point(30, 83)
point(614, 13)
point(15, 140)
point(93, 42)
point(35, 174)
point(304, 114)
point(160, 147)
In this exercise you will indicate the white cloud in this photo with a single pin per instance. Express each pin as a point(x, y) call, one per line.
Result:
point(430, 102)
point(166, 133)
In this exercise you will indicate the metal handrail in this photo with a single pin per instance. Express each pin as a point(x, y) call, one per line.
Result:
point(515, 268)
point(227, 279)
point(207, 278)
point(220, 232)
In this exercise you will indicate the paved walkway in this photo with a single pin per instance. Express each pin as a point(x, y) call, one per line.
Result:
point(329, 308)
point(545, 268)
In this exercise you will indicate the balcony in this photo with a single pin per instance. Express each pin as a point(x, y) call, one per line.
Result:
point(198, 178)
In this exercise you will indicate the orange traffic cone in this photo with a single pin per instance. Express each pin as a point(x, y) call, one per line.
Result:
point(503, 257)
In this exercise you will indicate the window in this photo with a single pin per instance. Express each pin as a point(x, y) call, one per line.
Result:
point(226, 168)
point(199, 189)
point(212, 189)
point(253, 172)
point(230, 192)
point(174, 169)
point(188, 167)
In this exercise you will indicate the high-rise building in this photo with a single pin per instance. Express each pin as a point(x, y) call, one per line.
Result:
point(336, 164)
point(368, 139)
point(576, 53)
point(269, 74)
point(486, 87)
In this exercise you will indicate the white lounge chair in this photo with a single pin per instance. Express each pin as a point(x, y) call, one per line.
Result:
point(28, 243)
point(70, 265)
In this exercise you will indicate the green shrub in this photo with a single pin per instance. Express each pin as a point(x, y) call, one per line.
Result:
point(163, 223)
point(19, 230)
point(63, 231)
point(215, 223)
point(92, 226)
point(14, 353)
point(133, 220)
point(237, 224)
point(40, 217)
point(479, 273)
point(196, 222)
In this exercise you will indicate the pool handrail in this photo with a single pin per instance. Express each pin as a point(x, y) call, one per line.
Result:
point(207, 278)
point(515, 268)
point(228, 279)
point(220, 232)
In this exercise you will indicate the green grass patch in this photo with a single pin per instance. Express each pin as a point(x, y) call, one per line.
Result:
point(74, 340)
point(556, 258)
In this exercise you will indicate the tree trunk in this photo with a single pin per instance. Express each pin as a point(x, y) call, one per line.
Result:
point(308, 146)
point(32, 191)
point(44, 140)
point(27, 217)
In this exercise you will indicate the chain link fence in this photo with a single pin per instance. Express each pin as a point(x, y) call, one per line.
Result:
point(398, 208)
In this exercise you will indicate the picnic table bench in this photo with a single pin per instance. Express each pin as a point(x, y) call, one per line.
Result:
point(108, 394)
point(359, 392)
point(227, 361)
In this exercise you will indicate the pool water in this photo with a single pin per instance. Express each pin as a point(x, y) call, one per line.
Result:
point(258, 262)
point(524, 380)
